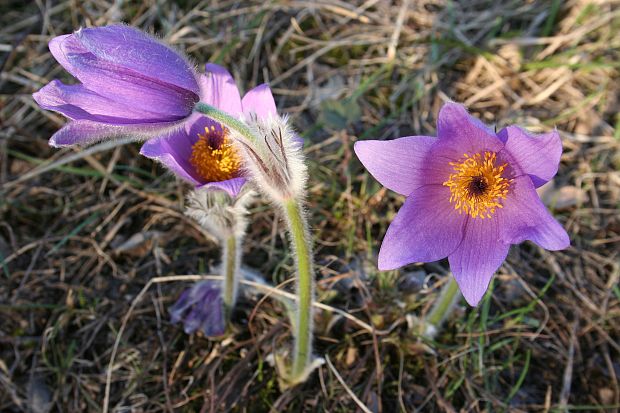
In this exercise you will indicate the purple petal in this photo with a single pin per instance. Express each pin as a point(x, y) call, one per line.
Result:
point(201, 297)
point(477, 258)
point(524, 217)
point(123, 85)
point(134, 49)
point(460, 133)
point(174, 152)
point(178, 309)
point(213, 322)
point(206, 314)
point(193, 319)
point(62, 46)
point(231, 186)
point(220, 90)
point(427, 228)
point(198, 124)
point(77, 102)
point(259, 101)
point(537, 156)
point(84, 132)
point(399, 164)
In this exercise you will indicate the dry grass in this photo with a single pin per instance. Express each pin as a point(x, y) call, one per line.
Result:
point(79, 241)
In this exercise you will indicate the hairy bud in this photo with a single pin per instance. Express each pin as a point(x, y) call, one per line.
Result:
point(219, 213)
point(275, 161)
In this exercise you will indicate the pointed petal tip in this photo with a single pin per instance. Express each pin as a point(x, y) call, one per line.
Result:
point(219, 89)
point(473, 300)
point(214, 67)
point(60, 140)
point(562, 241)
point(471, 293)
point(387, 260)
point(52, 142)
point(478, 257)
point(398, 164)
point(358, 146)
point(47, 94)
point(260, 101)
point(451, 107)
point(383, 264)
point(538, 155)
point(384, 260)
point(525, 217)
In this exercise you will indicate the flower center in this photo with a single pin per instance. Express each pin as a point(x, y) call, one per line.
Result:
point(477, 186)
point(215, 162)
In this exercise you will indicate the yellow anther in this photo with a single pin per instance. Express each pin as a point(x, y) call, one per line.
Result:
point(215, 164)
point(477, 185)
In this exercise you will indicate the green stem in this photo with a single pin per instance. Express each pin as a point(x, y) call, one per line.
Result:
point(226, 120)
point(230, 264)
point(305, 287)
point(300, 238)
point(444, 304)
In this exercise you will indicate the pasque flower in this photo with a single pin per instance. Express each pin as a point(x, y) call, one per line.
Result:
point(470, 195)
point(131, 84)
point(273, 159)
point(202, 152)
point(200, 308)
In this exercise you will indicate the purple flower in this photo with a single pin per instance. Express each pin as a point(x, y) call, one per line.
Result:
point(200, 308)
point(131, 84)
point(202, 151)
point(470, 195)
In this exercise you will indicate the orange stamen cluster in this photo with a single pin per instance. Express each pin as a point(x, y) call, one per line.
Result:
point(477, 185)
point(215, 164)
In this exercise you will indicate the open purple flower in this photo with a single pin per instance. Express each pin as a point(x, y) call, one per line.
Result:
point(200, 308)
point(131, 84)
point(470, 195)
point(202, 152)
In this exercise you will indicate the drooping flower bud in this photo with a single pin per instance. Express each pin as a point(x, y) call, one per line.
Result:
point(131, 84)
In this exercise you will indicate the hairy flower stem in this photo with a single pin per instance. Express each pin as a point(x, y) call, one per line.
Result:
point(305, 288)
point(226, 120)
point(443, 306)
point(291, 203)
point(230, 263)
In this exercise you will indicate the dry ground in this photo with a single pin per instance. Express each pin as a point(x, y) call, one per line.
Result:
point(79, 241)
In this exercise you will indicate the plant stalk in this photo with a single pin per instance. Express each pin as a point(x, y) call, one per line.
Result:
point(230, 263)
point(300, 238)
point(445, 303)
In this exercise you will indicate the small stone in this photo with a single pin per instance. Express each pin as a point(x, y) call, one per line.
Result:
point(606, 395)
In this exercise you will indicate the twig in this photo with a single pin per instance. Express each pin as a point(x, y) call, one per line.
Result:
point(104, 146)
point(347, 389)
point(391, 52)
point(568, 371)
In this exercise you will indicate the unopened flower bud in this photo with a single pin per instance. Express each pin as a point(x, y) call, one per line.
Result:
point(219, 213)
point(275, 160)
